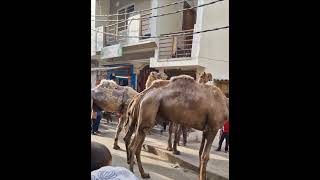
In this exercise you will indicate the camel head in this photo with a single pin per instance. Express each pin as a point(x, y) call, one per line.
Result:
point(162, 75)
point(205, 77)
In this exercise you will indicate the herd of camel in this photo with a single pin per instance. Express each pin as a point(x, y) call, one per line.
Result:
point(182, 101)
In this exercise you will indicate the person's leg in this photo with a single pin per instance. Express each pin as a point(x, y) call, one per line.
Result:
point(220, 142)
point(227, 142)
point(98, 121)
point(93, 124)
point(184, 134)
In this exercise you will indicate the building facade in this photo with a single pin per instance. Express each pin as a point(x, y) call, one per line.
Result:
point(134, 47)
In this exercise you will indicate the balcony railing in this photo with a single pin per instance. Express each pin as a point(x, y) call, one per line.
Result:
point(176, 46)
point(133, 27)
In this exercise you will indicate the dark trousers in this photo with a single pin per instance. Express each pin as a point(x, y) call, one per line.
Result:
point(184, 132)
point(224, 136)
point(96, 123)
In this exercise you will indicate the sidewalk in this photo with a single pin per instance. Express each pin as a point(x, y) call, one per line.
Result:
point(217, 167)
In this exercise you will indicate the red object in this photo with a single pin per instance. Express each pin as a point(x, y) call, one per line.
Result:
point(226, 127)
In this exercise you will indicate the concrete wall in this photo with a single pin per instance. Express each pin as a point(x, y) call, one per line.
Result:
point(138, 5)
point(102, 8)
point(93, 78)
point(93, 33)
point(213, 47)
point(164, 24)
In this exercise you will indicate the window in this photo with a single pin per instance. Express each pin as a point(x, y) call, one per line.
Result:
point(124, 25)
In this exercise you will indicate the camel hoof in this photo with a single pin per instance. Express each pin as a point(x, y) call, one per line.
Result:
point(145, 175)
point(176, 152)
point(116, 147)
point(169, 148)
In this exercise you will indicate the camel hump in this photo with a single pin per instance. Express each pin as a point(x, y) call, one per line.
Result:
point(104, 83)
point(180, 77)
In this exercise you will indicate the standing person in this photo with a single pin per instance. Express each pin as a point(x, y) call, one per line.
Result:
point(93, 119)
point(184, 132)
point(113, 76)
point(225, 135)
point(96, 123)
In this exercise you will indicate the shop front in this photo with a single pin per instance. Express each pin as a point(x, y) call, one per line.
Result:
point(123, 74)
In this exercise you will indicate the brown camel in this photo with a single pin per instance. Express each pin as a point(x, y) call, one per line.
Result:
point(155, 76)
point(204, 78)
point(186, 102)
point(133, 111)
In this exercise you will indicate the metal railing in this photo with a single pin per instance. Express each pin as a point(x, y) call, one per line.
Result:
point(123, 30)
point(145, 26)
point(176, 46)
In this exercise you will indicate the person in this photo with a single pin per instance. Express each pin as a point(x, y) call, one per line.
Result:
point(96, 122)
point(224, 135)
point(101, 168)
point(184, 132)
point(112, 76)
point(93, 119)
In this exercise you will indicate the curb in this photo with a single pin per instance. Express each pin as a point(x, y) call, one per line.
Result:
point(173, 159)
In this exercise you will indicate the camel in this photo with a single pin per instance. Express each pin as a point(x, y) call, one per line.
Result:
point(111, 97)
point(188, 103)
point(205, 77)
point(133, 110)
point(155, 76)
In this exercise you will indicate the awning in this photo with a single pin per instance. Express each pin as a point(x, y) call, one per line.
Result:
point(108, 68)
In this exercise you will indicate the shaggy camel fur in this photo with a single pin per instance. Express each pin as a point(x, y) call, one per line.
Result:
point(111, 97)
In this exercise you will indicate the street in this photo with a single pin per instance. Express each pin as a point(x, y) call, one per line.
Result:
point(158, 166)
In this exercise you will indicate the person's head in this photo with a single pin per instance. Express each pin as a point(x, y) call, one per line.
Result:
point(100, 156)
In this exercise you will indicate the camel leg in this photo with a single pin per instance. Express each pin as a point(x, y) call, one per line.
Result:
point(129, 152)
point(127, 139)
point(169, 148)
point(138, 152)
point(176, 139)
point(136, 149)
point(128, 135)
point(204, 136)
point(118, 130)
point(206, 153)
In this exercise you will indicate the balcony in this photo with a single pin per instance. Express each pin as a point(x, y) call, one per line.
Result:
point(176, 46)
point(135, 27)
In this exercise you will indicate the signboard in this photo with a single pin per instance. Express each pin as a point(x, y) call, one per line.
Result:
point(111, 51)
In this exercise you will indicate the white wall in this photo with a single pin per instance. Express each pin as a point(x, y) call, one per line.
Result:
point(169, 23)
point(93, 33)
point(102, 8)
point(93, 78)
point(213, 48)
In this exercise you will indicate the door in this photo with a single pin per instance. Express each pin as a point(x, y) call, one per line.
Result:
point(143, 76)
point(189, 19)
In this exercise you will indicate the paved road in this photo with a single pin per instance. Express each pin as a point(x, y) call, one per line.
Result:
point(158, 168)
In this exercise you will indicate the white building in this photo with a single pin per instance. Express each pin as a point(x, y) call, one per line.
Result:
point(174, 55)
